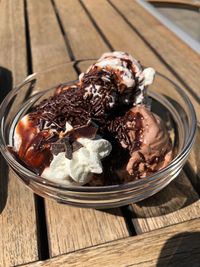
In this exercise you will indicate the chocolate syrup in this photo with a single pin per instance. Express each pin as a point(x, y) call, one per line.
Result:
point(33, 150)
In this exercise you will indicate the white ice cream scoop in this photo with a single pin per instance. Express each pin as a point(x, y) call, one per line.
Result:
point(128, 71)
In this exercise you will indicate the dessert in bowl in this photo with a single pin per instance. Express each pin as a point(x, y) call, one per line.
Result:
point(101, 141)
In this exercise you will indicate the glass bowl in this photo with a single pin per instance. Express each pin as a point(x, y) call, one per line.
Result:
point(168, 100)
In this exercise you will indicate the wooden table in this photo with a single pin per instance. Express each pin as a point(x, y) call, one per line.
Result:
point(163, 230)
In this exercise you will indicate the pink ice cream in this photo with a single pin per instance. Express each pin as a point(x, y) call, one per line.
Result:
point(155, 151)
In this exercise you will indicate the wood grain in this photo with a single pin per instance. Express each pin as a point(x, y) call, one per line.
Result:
point(170, 246)
point(83, 38)
point(178, 202)
point(18, 237)
point(181, 59)
point(71, 229)
point(47, 42)
point(13, 44)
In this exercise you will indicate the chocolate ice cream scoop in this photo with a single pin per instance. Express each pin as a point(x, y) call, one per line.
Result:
point(145, 136)
point(155, 150)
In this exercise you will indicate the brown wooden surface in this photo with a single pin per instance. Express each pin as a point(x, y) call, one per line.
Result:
point(181, 3)
point(57, 32)
point(18, 229)
point(75, 22)
point(71, 229)
point(176, 203)
point(171, 246)
point(47, 42)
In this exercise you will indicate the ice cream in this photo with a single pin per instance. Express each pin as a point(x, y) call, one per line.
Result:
point(145, 136)
point(68, 157)
point(97, 131)
point(130, 78)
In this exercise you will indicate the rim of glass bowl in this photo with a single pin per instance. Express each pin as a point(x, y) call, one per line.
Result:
point(45, 182)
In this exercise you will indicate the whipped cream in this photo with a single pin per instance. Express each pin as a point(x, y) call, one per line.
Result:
point(85, 162)
point(78, 170)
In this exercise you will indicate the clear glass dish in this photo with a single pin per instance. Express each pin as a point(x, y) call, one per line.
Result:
point(168, 101)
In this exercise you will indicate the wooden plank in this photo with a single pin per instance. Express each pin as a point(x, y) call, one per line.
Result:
point(170, 246)
point(176, 203)
point(47, 42)
point(71, 228)
point(13, 44)
point(180, 3)
point(181, 59)
point(84, 40)
point(18, 238)
point(122, 37)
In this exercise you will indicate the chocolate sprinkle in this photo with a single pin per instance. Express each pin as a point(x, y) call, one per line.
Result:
point(76, 146)
point(93, 99)
point(57, 148)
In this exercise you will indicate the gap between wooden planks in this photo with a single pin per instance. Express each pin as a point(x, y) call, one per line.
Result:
point(18, 236)
point(170, 246)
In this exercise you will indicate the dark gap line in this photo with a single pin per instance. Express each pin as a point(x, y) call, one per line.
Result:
point(67, 43)
point(128, 216)
point(29, 62)
point(156, 53)
point(97, 27)
point(66, 39)
point(42, 234)
point(126, 211)
point(28, 45)
point(42, 238)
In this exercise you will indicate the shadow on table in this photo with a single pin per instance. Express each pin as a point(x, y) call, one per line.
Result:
point(181, 250)
point(194, 172)
point(3, 183)
point(177, 195)
point(6, 83)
